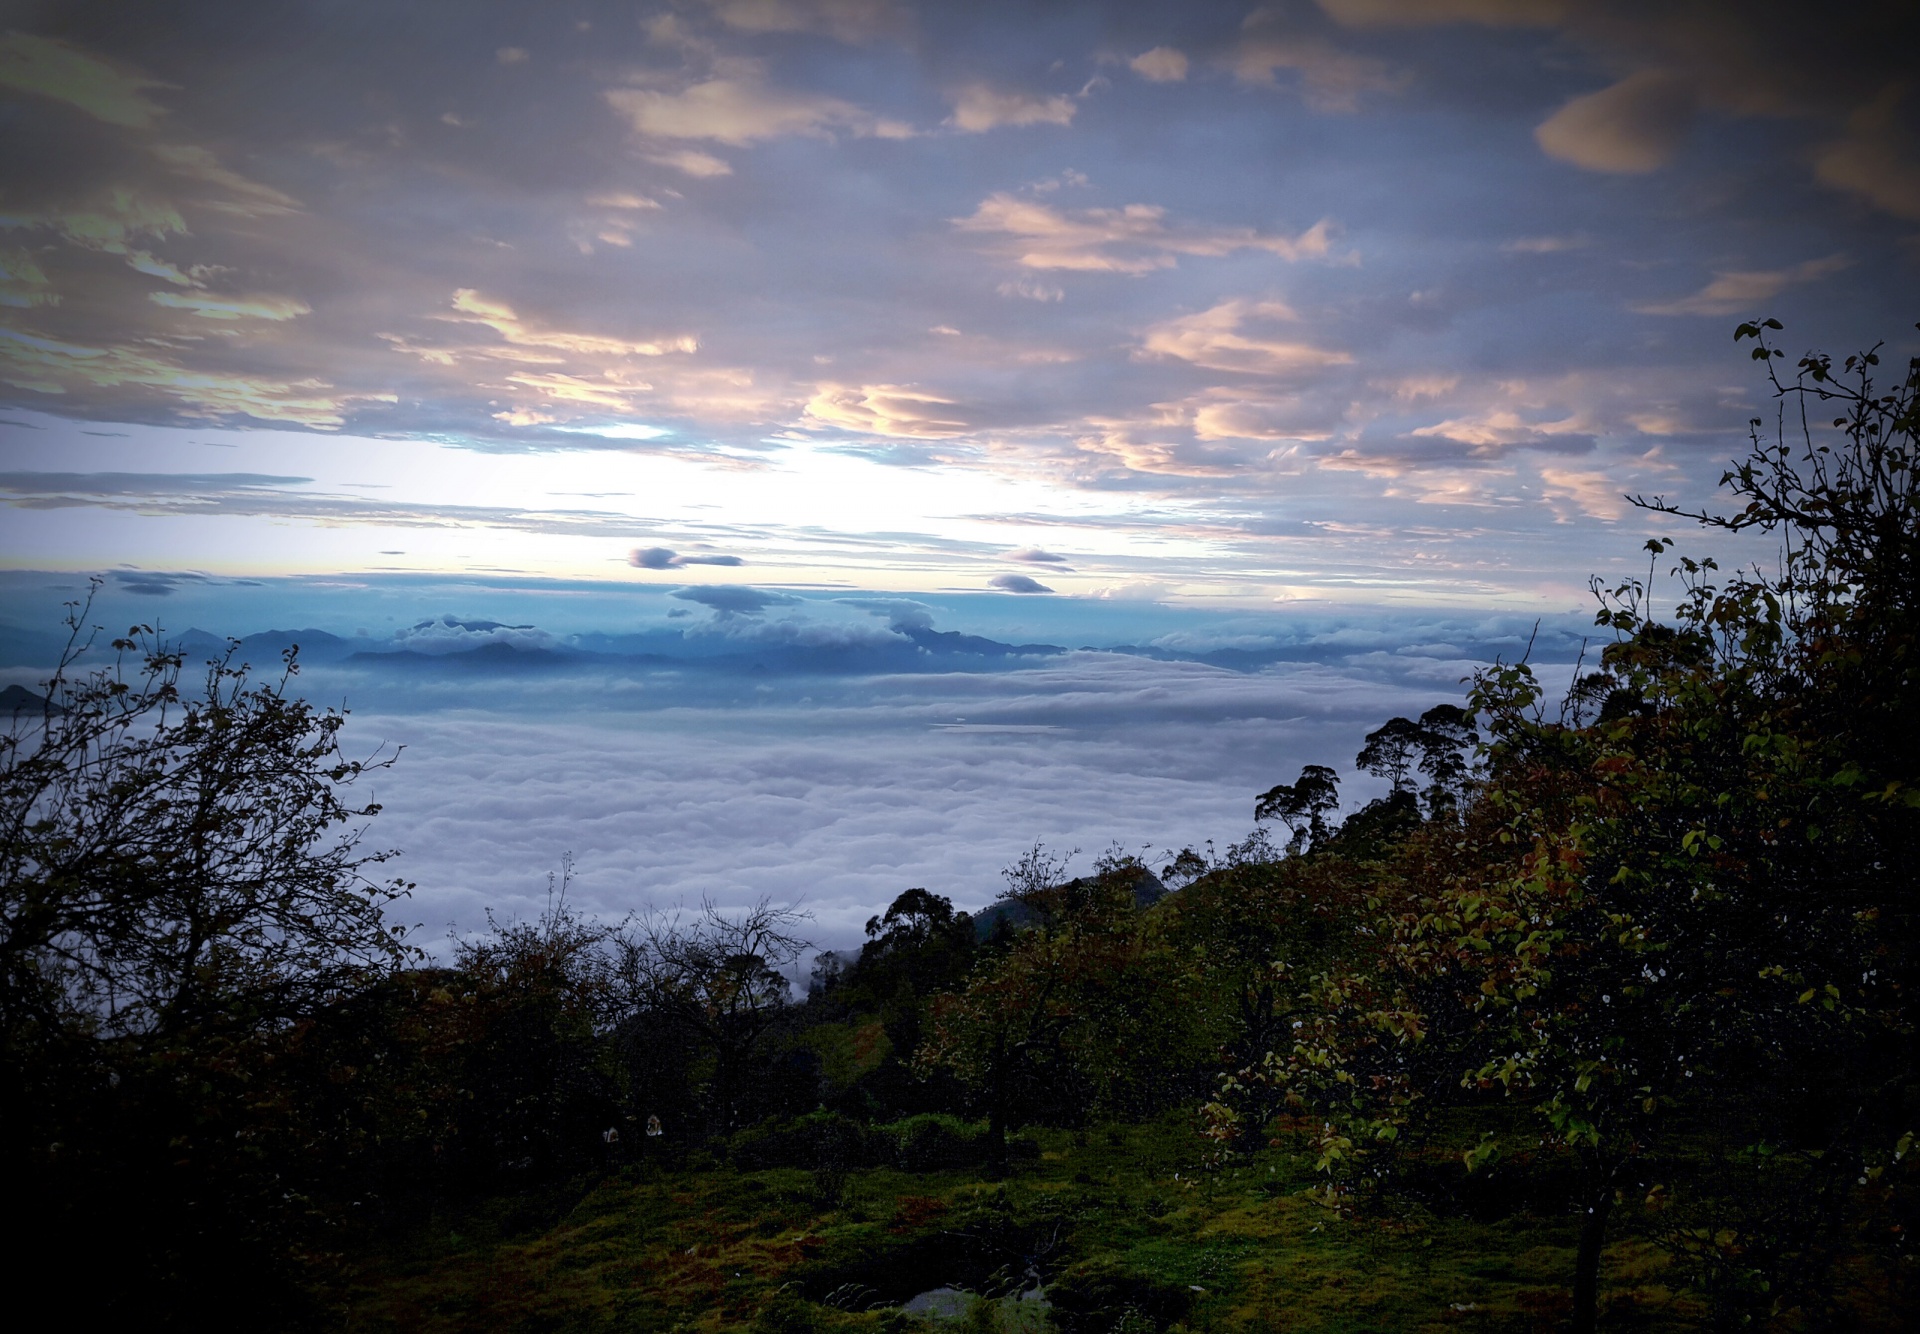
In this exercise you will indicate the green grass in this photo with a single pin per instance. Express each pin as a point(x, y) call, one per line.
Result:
point(1245, 1248)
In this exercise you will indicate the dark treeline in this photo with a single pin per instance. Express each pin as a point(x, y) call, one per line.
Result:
point(1644, 951)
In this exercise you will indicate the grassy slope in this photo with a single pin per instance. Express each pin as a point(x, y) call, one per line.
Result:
point(649, 1249)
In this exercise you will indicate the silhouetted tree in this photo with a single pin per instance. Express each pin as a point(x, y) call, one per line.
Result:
point(181, 887)
point(1303, 806)
point(717, 979)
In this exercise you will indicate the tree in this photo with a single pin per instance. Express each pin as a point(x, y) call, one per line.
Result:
point(1433, 746)
point(1087, 1010)
point(161, 851)
point(717, 979)
point(182, 886)
point(1303, 806)
point(1390, 750)
point(1447, 735)
point(539, 1005)
point(1696, 902)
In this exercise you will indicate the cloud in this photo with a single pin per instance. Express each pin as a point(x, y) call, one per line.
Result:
point(154, 583)
point(1029, 290)
point(111, 223)
point(1035, 556)
point(623, 199)
point(1435, 466)
point(1593, 495)
point(1213, 339)
point(740, 108)
point(257, 495)
point(1491, 434)
point(1160, 445)
point(618, 431)
point(1545, 245)
point(1134, 240)
point(886, 409)
point(1329, 79)
point(743, 802)
point(145, 484)
point(1235, 413)
point(1739, 293)
point(1744, 60)
point(448, 634)
point(692, 162)
point(901, 613)
point(1875, 158)
point(209, 306)
point(24, 283)
point(511, 55)
point(1163, 64)
point(243, 198)
point(1637, 125)
point(552, 375)
point(662, 558)
point(978, 108)
point(851, 21)
point(55, 69)
point(733, 599)
point(1017, 583)
point(54, 366)
point(1414, 388)
point(498, 316)
point(1425, 13)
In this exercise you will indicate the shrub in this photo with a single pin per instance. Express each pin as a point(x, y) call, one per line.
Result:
point(816, 1140)
point(936, 1142)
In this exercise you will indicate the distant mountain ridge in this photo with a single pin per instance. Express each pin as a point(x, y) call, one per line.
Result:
point(265, 647)
point(470, 647)
point(17, 701)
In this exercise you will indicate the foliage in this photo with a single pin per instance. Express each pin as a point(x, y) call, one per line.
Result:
point(181, 887)
point(162, 851)
point(1302, 805)
point(715, 982)
point(1087, 1011)
point(1696, 889)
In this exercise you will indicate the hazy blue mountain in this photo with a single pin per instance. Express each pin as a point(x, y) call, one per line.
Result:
point(17, 700)
point(263, 649)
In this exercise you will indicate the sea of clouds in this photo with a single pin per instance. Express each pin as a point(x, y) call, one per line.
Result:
point(814, 749)
point(839, 794)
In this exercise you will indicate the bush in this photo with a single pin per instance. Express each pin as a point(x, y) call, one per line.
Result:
point(816, 1140)
point(936, 1142)
point(1098, 1298)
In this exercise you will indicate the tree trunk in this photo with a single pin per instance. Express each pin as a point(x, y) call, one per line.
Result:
point(997, 1118)
point(1586, 1265)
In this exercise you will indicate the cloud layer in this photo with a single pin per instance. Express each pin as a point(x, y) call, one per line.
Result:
point(1240, 302)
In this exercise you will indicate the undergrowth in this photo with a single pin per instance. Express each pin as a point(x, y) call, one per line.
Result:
point(1129, 1227)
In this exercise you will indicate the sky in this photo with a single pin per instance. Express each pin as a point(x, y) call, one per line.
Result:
point(1147, 327)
